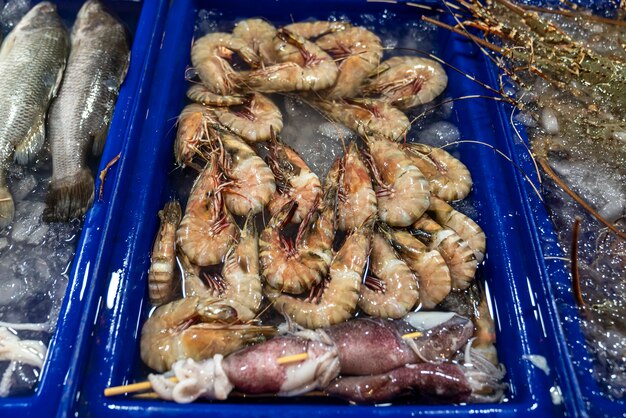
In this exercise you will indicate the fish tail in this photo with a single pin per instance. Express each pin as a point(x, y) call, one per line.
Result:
point(69, 197)
point(7, 207)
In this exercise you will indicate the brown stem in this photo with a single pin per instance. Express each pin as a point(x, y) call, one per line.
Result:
point(546, 167)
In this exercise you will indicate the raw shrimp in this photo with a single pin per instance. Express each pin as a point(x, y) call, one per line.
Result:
point(356, 200)
point(458, 255)
point(302, 66)
point(405, 82)
point(199, 93)
point(259, 35)
point(161, 284)
point(468, 230)
point(317, 28)
point(239, 285)
point(254, 370)
point(194, 132)
point(367, 117)
point(296, 267)
point(357, 52)
point(193, 328)
point(208, 229)
point(254, 120)
point(448, 177)
point(432, 271)
point(392, 292)
point(340, 292)
point(294, 180)
point(402, 190)
point(252, 182)
point(210, 57)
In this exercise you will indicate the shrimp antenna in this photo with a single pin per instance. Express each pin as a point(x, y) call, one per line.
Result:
point(574, 266)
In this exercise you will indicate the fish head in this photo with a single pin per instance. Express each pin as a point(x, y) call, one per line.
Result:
point(43, 15)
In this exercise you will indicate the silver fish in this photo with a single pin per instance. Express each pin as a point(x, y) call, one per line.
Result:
point(32, 60)
point(80, 116)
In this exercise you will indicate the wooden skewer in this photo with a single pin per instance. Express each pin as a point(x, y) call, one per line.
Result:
point(147, 395)
point(412, 335)
point(141, 386)
point(292, 359)
point(133, 387)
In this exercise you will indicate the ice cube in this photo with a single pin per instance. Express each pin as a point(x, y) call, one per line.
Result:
point(24, 187)
point(439, 134)
point(12, 12)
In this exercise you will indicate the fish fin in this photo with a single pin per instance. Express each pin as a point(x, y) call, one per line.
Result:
point(69, 197)
point(7, 207)
point(27, 150)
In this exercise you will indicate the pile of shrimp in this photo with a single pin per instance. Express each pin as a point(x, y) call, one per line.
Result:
point(377, 237)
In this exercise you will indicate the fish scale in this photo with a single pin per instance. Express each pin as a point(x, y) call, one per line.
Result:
point(32, 60)
point(80, 116)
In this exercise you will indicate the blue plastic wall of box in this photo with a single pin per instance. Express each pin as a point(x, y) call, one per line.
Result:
point(525, 318)
point(146, 22)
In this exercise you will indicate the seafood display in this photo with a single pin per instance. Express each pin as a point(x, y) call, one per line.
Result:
point(49, 87)
point(356, 255)
point(567, 69)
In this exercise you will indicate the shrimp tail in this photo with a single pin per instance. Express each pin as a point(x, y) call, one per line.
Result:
point(69, 197)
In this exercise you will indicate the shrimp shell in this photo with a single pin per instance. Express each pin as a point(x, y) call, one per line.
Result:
point(208, 229)
point(188, 328)
point(406, 82)
point(448, 177)
point(368, 117)
point(431, 269)
point(357, 199)
point(402, 191)
point(340, 292)
point(468, 230)
point(458, 255)
point(254, 121)
point(399, 294)
point(358, 52)
point(294, 180)
point(253, 182)
point(259, 36)
point(161, 285)
point(199, 93)
point(210, 57)
point(317, 28)
point(193, 132)
point(302, 66)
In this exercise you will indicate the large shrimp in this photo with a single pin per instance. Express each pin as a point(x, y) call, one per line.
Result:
point(239, 285)
point(317, 28)
point(302, 66)
point(356, 200)
point(199, 93)
point(448, 177)
point(210, 56)
point(401, 188)
point(194, 328)
point(392, 292)
point(431, 269)
point(254, 120)
point(161, 285)
point(259, 35)
point(294, 180)
point(194, 132)
point(458, 255)
point(358, 52)
point(208, 229)
point(367, 117)
point(252, 183)
point(468, 230)
point(406, 82)
point(296, 267)
point(340, 292)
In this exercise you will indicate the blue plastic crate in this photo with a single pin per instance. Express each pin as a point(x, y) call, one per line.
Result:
point(145, 22)
point(525, 314)
point(589, 397)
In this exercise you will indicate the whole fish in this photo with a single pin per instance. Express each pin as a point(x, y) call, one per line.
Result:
point(80, 116)
point(32, 60)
